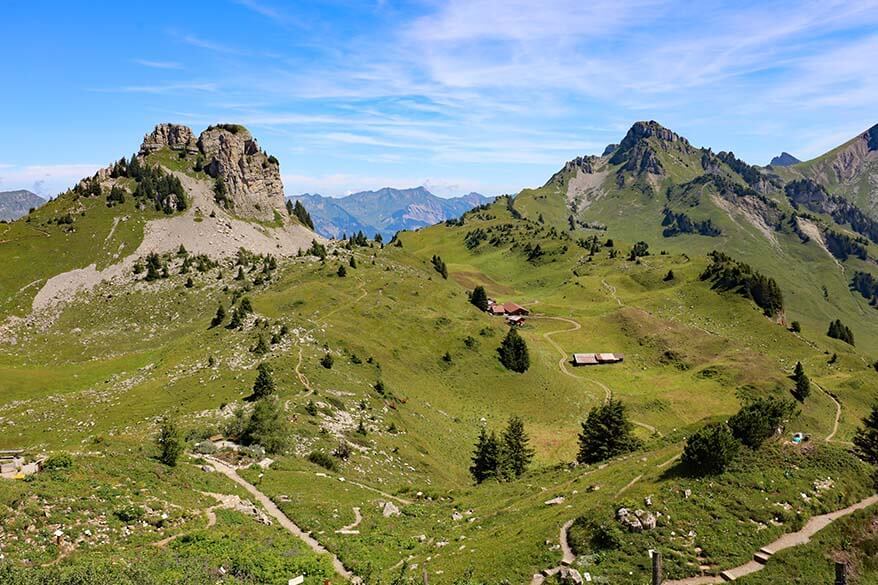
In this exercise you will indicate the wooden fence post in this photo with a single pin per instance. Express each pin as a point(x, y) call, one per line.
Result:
point(841, 573)
point(656, 567)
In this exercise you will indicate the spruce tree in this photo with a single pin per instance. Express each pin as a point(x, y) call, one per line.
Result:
point(485, 457)
point(479, 298)
point(170, 442)
point(342, 271)
point(866, 438)
point(513, 352)
point(267, 426)
point(261, 347)
point(264, 384)
point(606, 433)
point(353, 262)
point(515, 452)
point(803, 384)
point(219, 317)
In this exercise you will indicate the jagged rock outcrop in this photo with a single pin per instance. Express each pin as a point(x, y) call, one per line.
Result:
point(251, 177)
point(228, 152)
point(173, 136)
point(784, 160)
point(637, 154)
point(609, 149)
point(586, 164)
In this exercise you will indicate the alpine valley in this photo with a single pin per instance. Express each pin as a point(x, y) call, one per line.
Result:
point(197, 387)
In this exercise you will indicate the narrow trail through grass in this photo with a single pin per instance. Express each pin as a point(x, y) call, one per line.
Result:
point(562, 364)
point(283, 519)
point(814, 525)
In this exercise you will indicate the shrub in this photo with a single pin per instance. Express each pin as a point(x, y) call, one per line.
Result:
point(759, 420)
point(58, 461)
point(170, 442)
point(322, 459)
point(710, 449)
point(326, 361)
point(205, 448)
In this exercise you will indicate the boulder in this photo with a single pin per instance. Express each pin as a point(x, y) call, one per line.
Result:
point(389, 509)
point(570, 576)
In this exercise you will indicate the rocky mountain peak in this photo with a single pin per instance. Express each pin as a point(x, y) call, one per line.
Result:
point(230, 153)
point(643, 130)
point(784, 160)
point(173, 136)
point(252, 178)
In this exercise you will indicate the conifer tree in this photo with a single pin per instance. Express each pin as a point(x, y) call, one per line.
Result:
point(219, 317)
point(515, 452)
point(513, 352)
point(342, 271)
point(267, 426)
point(353, 262)
point(866, 438)
point(485, 457)
point(479, 298)
point(170, 442)
point(264, 384)
point(803, 384)
point(261, 347)
point(606, 433)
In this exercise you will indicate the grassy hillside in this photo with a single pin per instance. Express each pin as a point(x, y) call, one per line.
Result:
point(413, 377)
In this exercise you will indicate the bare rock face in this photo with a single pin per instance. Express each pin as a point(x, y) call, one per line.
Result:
point(251, 177)
point(173, 136)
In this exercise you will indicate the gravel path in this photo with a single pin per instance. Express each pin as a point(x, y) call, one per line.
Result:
point(283, 519)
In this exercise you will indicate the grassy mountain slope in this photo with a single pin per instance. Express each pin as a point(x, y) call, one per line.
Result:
point(94, 380)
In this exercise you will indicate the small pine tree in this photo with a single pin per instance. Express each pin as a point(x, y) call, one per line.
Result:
point(796, 327)
point(267, 426)
point(479, 298)
point(866, 437)
point(485, 457)
point(170, 442)
point(669, 276)
point(513, 352)
point(353, 262)
point(515, 451)
point(261, 347)
point(219, 317)
point(342, 271)
point(803, 384)
point(311, 408)
point(189, 283)
point(264, 384)
point(326, 361)
point(240, 275)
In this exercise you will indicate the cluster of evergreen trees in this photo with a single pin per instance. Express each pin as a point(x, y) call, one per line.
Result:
point(867, 285)
point(221, 194)
point(814, 197)
point(639, 250)
point(728, 274)
point(842, 246)
point(266, 425)
point(439, 266)
point(299, 212)
point(840, 331)
point(713, 447)
point(680, 223)
point(513, 352)
point(502, 458)
point(164, 190)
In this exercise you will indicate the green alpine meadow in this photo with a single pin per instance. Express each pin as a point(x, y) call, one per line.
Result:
point(284, 339)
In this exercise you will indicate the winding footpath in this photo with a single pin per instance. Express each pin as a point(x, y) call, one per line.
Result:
point(562, 364)
point(789, 540)
point(283, 519)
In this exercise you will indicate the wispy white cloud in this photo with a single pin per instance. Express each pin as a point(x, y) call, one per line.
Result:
point(163, 88)
point(159, 64)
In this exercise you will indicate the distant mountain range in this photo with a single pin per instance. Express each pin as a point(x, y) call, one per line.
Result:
point(15, 204)
point(385, 211)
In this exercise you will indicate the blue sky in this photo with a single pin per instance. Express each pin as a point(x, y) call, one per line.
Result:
point(482, 95)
